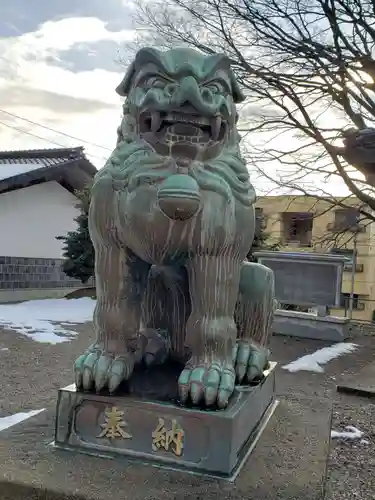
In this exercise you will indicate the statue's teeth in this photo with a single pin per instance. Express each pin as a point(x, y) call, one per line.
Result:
point(185, 118)
point(200, 120)
point(155, 121)
point(215, 127)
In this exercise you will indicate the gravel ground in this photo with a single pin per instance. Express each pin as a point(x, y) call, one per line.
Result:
point(31, 373)
point(351, 465)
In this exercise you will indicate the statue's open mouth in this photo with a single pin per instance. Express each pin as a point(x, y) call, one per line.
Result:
point(177, 127)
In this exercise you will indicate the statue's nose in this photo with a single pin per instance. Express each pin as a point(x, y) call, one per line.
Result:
point(188, 92)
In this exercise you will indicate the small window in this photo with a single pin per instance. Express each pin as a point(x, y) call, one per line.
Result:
point(297, 228)
point(259, 221)
point(345, 301)
point(346, 218)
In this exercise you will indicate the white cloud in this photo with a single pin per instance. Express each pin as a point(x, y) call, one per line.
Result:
point(27, 65)
point(62, 34)
point(35, 85)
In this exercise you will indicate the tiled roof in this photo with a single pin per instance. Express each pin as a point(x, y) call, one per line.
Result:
point(16, 163)
point(45, 157)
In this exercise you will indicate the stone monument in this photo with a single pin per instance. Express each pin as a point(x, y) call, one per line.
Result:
point(179, 373)
point(311, 280)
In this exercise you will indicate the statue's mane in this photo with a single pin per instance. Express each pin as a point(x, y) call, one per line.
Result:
point(135, 162)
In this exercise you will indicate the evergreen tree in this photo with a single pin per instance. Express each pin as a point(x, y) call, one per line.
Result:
point(78, 249)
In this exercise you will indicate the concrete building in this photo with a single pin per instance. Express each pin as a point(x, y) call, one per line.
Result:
point(303, 223)
point(37, 203)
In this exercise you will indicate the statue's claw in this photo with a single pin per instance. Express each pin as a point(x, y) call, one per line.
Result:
point(249, 361)
point(102, 370)
point(208, 382)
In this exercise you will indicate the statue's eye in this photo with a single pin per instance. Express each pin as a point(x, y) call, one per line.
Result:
point(155, 82)
point(215, 87)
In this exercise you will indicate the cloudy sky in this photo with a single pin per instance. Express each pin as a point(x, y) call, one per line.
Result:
point(60, 62)
point(59, 66)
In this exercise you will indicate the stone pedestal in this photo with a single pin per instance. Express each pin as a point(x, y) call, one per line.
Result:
point(309, 326)
point(211, 442)
point(289, 462)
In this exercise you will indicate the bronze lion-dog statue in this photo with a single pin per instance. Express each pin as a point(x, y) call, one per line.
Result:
point(172, 220)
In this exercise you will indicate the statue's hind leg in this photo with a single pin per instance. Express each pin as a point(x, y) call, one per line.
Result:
point(253, 316)
point(120, 282)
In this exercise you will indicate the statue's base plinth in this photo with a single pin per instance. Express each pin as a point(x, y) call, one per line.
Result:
point(215, 443)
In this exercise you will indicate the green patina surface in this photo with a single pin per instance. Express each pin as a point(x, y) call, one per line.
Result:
point(172, 220)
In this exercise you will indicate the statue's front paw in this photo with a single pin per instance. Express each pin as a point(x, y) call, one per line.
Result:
point(99, 369)
point(249, 361)
point(208, 382)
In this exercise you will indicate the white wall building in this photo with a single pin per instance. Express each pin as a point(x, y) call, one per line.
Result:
point(32, 217)
point(37, 203)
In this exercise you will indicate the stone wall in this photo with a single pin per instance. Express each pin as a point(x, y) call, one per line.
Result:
point(18, 273)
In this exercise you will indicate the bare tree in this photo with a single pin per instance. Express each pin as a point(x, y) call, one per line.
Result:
point(308, 70)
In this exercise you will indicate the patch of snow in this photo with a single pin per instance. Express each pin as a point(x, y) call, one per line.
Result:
point(313, 362)
point(46, 320)
point(350, 432)
point(6, 422)
point(364, 441)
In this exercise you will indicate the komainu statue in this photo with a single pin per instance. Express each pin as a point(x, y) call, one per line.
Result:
point(172, 220)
